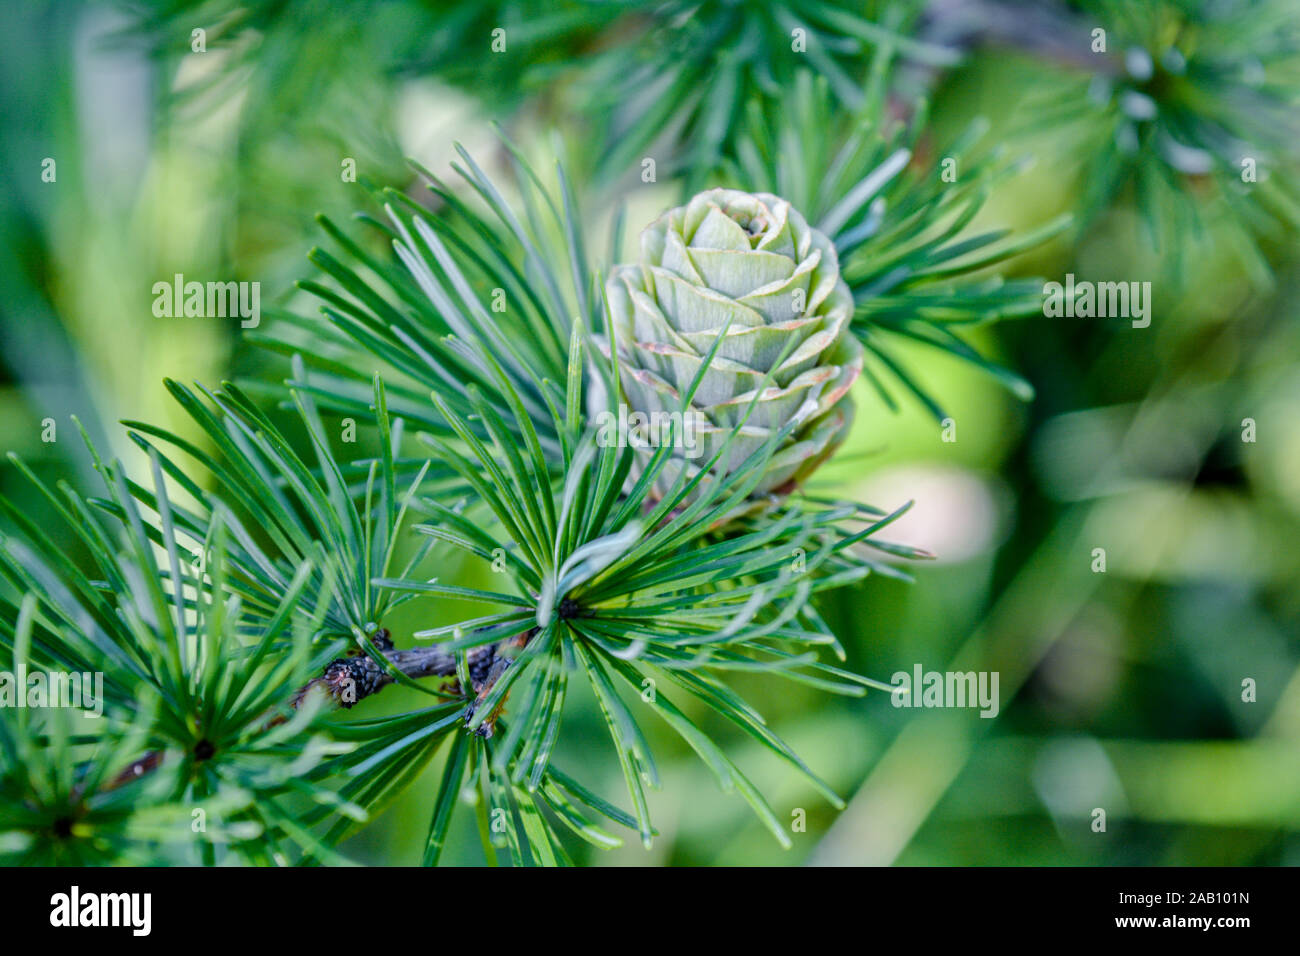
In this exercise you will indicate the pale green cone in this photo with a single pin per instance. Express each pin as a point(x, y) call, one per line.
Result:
point(754, 260)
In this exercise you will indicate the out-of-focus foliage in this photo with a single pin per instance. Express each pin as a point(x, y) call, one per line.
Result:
point(1190, 109)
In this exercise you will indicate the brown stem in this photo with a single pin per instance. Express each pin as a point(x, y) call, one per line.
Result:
point(348, 680)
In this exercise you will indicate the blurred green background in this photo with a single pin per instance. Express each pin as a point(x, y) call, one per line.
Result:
point(1120, 690)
